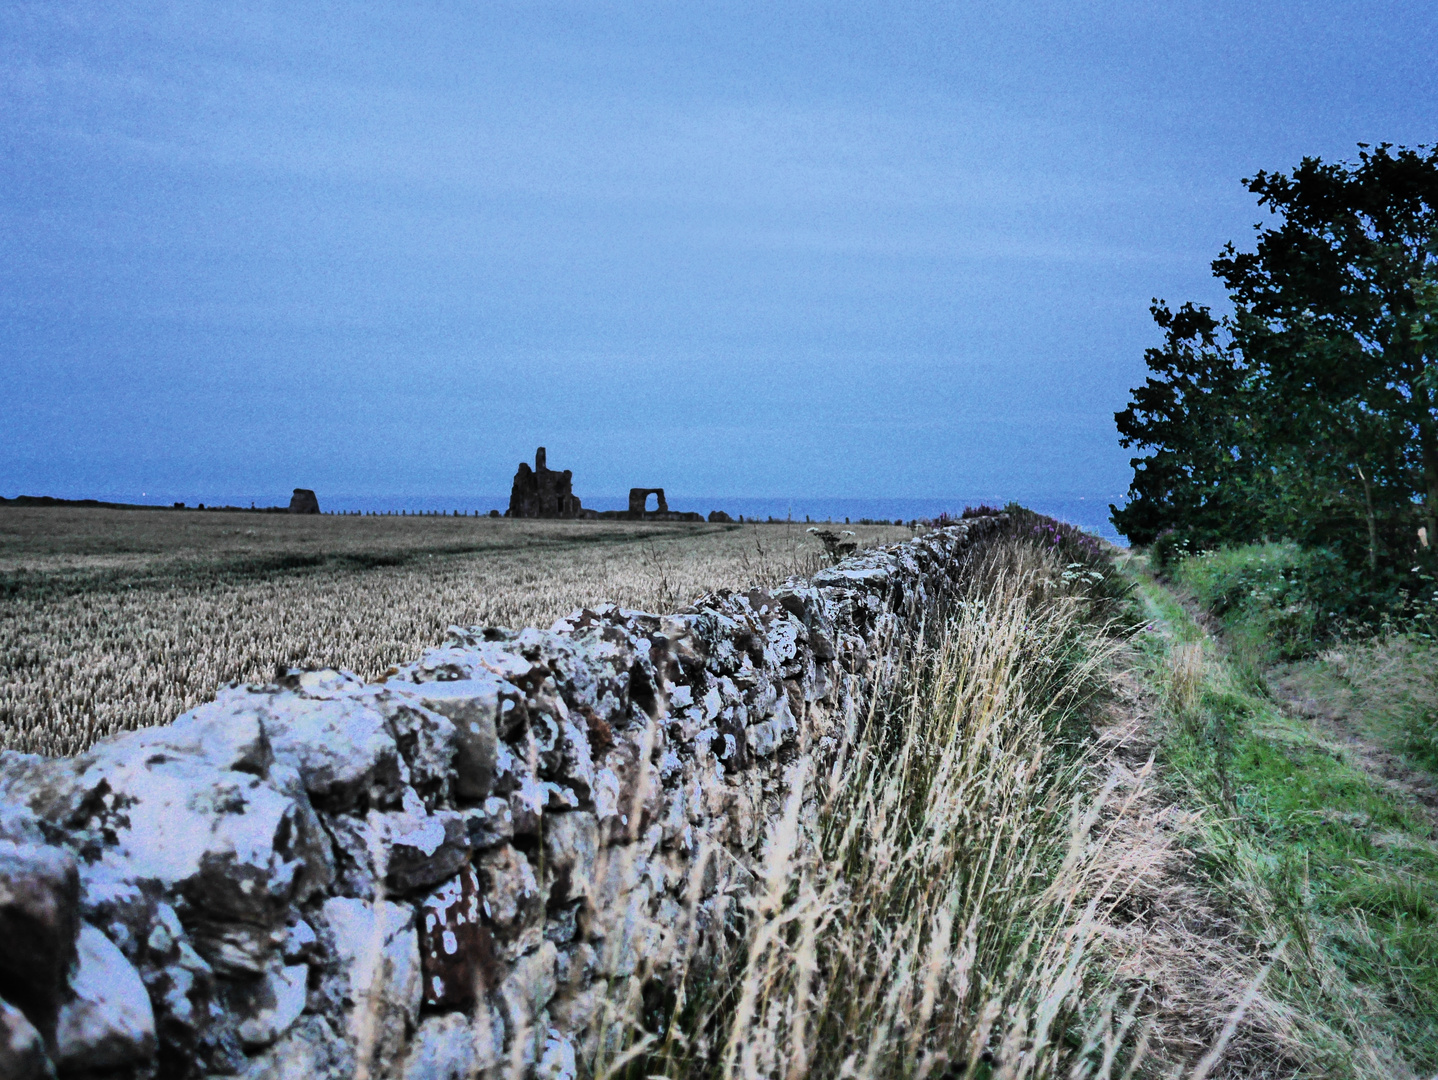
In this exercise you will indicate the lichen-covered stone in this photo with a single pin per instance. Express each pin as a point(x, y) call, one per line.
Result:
point(193, 1018)
point(311, 1050)
point(557, 1059)
point(423, 849)
point(473, 707)
point(510, 899)
point(271, 1004)
point(529, 987)
point(427, 740)
point(198, 812)
point(490, 824)
point(377, 956)
point(108, 1023)
point(341, 744)
point(453, 1046)
point(571, 846)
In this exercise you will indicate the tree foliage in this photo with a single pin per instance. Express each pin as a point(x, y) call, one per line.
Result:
point(1311, 411)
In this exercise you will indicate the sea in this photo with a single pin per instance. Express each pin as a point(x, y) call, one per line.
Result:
point(1088, 512)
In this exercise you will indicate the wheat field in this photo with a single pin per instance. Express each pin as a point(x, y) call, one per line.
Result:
point(117, 619)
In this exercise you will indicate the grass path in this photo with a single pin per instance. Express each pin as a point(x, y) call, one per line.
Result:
point(1307, 691)
point(1196, 959)
point(1308, 849)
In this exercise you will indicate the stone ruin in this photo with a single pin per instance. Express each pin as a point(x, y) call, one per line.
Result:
point(449, 873)
point(303, 501)
point(541, 492)
point(639, 499)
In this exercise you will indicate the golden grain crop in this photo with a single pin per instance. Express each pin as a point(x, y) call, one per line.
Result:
point(113, 619)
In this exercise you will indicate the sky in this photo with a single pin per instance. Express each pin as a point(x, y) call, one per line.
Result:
point(769, 249)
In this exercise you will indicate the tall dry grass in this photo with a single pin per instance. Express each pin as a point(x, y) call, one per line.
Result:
point(934, 890)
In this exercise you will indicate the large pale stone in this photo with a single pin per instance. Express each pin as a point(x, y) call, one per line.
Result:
point(530, 986)
point(571, 845)
point(451, 1046)
point(342, 748)
point(378, 956)
point(472, 705)
point(510, 898)
point(108, 1023)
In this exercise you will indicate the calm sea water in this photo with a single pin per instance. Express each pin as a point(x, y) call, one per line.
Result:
point(1088, 512)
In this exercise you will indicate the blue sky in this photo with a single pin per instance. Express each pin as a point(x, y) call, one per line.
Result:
point(769, 249)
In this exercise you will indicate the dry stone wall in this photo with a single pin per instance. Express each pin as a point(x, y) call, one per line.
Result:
point(449, 872)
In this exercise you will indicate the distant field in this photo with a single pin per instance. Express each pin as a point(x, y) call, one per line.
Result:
point(116, 619)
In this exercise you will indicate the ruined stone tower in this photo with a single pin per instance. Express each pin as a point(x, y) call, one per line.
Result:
point(541, 492)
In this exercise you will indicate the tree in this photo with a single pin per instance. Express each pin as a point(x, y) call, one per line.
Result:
point(1191, 413)
point(1324, 389)
point(1328, 304)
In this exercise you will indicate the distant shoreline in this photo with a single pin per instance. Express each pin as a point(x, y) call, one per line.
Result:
point(1089, 511)
point(98, 504)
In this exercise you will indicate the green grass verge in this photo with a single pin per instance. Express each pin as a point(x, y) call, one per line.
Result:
point(1301, 844)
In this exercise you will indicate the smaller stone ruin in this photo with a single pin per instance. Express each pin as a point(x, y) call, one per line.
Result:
point(636, 512)
point(303, 501)
point(541, 492)
point(638, 497)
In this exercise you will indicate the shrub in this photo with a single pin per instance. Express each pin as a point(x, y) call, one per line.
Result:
point(1279, 600)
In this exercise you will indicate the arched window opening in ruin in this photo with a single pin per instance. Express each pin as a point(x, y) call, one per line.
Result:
point(651, 503)
point(639, 502)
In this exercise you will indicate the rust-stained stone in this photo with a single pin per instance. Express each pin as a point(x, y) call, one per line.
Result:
point(456, 949)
